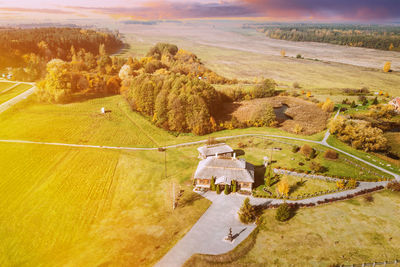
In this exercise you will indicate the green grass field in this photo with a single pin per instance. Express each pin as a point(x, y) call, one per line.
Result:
point(82, 123)
point(300, 186)
point(89, 207)
point(5, 85)
point(14, 92)
point(349, 232)
point(257, 148)
point(363, 155)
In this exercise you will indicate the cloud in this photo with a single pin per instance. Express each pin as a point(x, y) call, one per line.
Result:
point(36, 10)
point(174, 10)
point(344, 9)
point(367, 10)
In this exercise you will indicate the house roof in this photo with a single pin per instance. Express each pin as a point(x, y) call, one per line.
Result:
point(218, 167)
point(211, 150)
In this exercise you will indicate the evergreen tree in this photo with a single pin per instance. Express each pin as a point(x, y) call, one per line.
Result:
point(212, 184)
point(247, 212)
point(283, 213)
point(218, 189)
point(226, 189)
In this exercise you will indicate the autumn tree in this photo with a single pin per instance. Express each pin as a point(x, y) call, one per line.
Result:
point(283, 53)
point(387, 66)
point(283, 187)
point(328, 105)
point(55, 87)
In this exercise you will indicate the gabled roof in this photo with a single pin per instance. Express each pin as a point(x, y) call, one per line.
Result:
point(218, 167)
point(211, 150)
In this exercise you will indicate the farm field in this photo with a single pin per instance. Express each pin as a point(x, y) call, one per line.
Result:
point(82, 123)
point(4, 97)
point(250, 54)
point(255, 149)
point(349, 232)
point(5, 85)
point(88, 207)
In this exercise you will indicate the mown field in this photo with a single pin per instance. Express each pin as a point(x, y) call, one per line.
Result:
point(256, 148)
point(4, 97)
point(349, 232)
point(82, 123)
point(5, 85)
point(91, 207)
point(244, 57)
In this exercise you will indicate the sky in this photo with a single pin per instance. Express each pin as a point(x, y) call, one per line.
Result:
point(276, 10)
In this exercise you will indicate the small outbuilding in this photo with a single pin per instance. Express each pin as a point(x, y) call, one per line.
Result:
point(220, 149)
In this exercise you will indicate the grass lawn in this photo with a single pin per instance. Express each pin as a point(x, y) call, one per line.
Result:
point(82, 123)
point(361, 154)
point(257, 148)
point(300, 186)
point(352, 231)
point(91, 207)
point(5, 86)
point(14, 92)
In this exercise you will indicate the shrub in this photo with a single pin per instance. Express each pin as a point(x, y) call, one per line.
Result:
point(313, 154)
point(212, 184)
point(283, 213)
point(316, 167)
point(352, 183)
point(394, 186)
point(306, 150)
point(247, 212)
point(234, 186)
point(211, 141)
point(226, 190)
point(299, 56)
point(369, 198)
point(295, 149)
point(387, 66)
point(218, 189)
point(341, 184)
point(296, 85)
point(241, 145)
point(331, 154)
point(353, 104)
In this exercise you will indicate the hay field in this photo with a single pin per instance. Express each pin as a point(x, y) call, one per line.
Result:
point(245, 54)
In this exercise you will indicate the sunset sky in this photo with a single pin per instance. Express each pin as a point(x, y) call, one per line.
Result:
point(279, 10)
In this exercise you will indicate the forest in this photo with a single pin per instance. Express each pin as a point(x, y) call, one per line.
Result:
point(170, 86)
point(382, 37)
point(25, 52)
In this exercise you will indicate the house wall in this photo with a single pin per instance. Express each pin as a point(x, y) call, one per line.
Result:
point(245, 186)
point(203, 182)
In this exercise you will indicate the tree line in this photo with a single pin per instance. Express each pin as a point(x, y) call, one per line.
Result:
point(25, 52)
point(383, 37)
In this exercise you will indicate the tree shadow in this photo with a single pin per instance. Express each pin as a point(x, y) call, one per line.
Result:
point(237, 234)
point(239, 152)
point(298, 185)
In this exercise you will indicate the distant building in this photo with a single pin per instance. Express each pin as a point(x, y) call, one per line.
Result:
point(220, 149)
point(396, 104)
point(224, 170)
